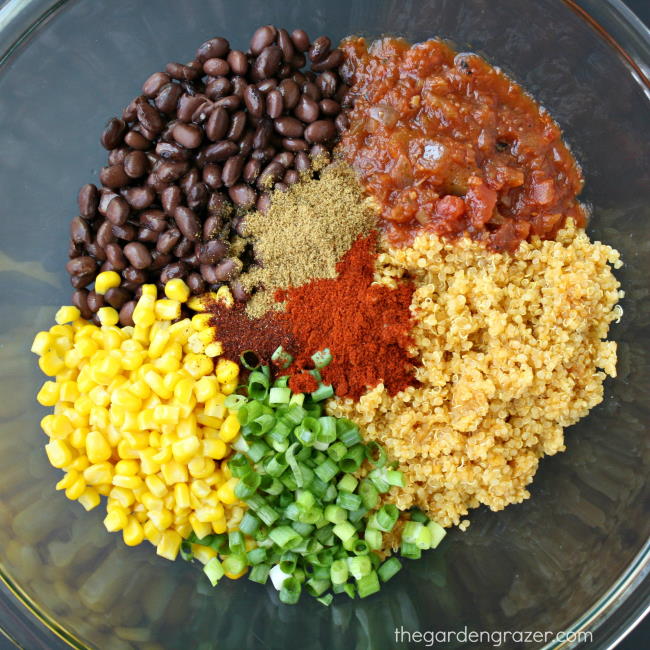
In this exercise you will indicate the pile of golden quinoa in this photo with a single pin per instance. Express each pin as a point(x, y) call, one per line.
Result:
point(512, 351)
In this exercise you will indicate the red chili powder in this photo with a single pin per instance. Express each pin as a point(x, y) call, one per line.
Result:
point(366, 326)
point(303, 382)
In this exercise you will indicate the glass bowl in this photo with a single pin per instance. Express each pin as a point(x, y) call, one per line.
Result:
point(573, 558)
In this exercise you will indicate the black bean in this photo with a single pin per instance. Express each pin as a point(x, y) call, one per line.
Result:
point(301, 162)
point(299, 78)
point(237, 124)
point(115, 256)
point(88, 200)
point(126, 314)
point(267, 85)
point(288, 126)
point(171, 170)
point(129, 113)
point(319, 49)
point(136, 140)
point(191, 260)
point(181, 72)
point(212, 176)
point(264, 203)
point(298, 61)
point(267, 63)
point(202, 113)
point(174, 270)
point(246, 143)
point(262, 134)
point(118, 211)
point(188, 223)
point(149, 117)
point(285, 44)
point(135, 164)
point(238, 62)
point(167, 98)
point(170, 199)
point(208, 273)
point(75, 250)
point(285, 158)
point(252, 170)
point(274, 104)
point(341, 122)
point(215, 47)
point(172, 151)
point(153, 220)
point(238, 292)
point(217, 124)
point(104, 236)
point(116, 297)
point(168, 240)
point(80, 301)
point(254, 102)
point(242, 195)
point(212, 251)
point(238, 225)
point(230, 102)
point(227, 269)
point(239, 85)
point(113, 133)
point(310, 89)
point(81, 265)
point(332, 60)
point(291, 177)
point(294, 144)
point(290, 93)
point(281, 187)
point(105, 197)
point(140, 198)
point(187, 104)
point(262, 37)
point(126, 232)
point(137, 276)
point(117, 156)
point(327, 83)
point(300, 39)
point(329, 107)
point(197, 196)
point(320, 131)
point(264, 154)
point(212, 227)
point(158, 260)
point(95, 250)
point(191, 178)
point(81, 281)
point(216, 67)
point(154, 83)
point(113, 176)
point(307, 109)
point(95, 301)
point(232, 170)
point(138, 254)
point(218, 205)
point(80, 231)
point(218, 88)
point(187, 135)
point(221, 150)
point(273, 172)
point(195, 283)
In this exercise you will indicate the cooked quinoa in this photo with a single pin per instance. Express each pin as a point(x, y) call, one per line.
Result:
point(512, 351)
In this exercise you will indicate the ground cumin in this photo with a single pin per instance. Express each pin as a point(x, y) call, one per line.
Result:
point(305, 233)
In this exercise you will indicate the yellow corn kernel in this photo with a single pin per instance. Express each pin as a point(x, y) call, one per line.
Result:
point(133, 534)
point(224, 295)
point(169, 545)
point(72, 359)
point(51, 363)
point(226, 492)
point(206, 388)
point(68, 479)
point(58, 453)
point(76, 489)
point(104, 489)
point(215, 448)
point(209, 433)
point(158, 343)
point(132, 360)
point(200, 528)
point(150, 502)
point(201, 467)
point(176, 289)
point(140, 389)
point(194, 344)
point(122, 496)
point(111, 338)
point(164, 455)
point(76, 419)
point(147, 463)
point(216, 478)
point(151, 533)
point(206, 335)
point(155, 382)
point(77, 438)
point(43, 341)
point(215, 406)
point(67, 314)
point(230, 428)
point(139, 440)
point(182, 495)
point(200, 489)
point(127, 467)
point(165, 414)
point(69, 392)
point(185, 449)
point(183, 528)
point(208, 514)
point(128, 482)
point(225, 470)
point(90, 498)
point(209, 421)
point(116, 519)
point(201, 321)
point(226, 371)
point(98, 418)
point(212, 499)
point(48, 395)
point(99, 396)
point(130, 345)
point(167, 363)
point(154, 441)
point(86, 347)
point(220, 526)
point(98, 474)
point(150, 290)
point(146, 420)
point(174, 472)
point(168, 309)
point(236, 576)
point(229, 387)
point(141, 330)
point(107, 280)
point(97, 448)
point(126, 400)
point(119, 381)
point(202, 302)
point(56, 425)
point(183, 390)
point(198, 365)
point(203, 553)
point(214, 349)
point(143, 314)
point(162, 519)
point(181, 330)
point(156, 486)
point(108, 316)
point(79, 464)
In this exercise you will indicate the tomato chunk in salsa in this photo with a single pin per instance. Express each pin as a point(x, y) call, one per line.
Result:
point(449, 144)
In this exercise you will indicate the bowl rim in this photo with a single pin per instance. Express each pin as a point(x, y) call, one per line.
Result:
point(622, 607)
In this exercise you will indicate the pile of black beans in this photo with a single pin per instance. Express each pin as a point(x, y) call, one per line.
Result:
point(204, 142)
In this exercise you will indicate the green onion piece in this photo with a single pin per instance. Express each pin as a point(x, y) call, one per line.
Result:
point(349, 589)
point(234, 402)
point(369, 494)
point(290, 592)
point(247, 485)
point(257, 451)
point(284, 536)
point(281, 382)
point(337, 451)
point(218, 542)
point(266, 371)
point(347, 483)
point(388, 569)
point(318, 487)
point(359, 566)
point(249, 360)
point(350, 543)
point(293, 511)
point(368, 584)
point(353, 459)
point(373, 538)
point(324, 391)
point(386, 517)
point(326, 600)
point(327, 470)
point(348, 501)
point(265, 422)
point(360, 547)
point(324, 534)
point(378, 478)
point(305, 499)
point(267, 514)
point(186, 551)
point(304, 530)
point(258, 385)
point(281, 358)
point(288, 562)
point(289, 481)
point(417, 515)
point(298, 399)
point(248, 412)
point(278, 395)
point(276, 465)
point(347, 432)
point(322, 358)
point(236, 542)
point(271, 485)
point(410, 531)
point(280, 431)
point(315, 373)
point(344, 530)
point(234, 563)
point(339, 572)
point(305, 436)
point(214, 570)
point(295, 415)
point(330, 493)
point(355, 516)
point(317, 587)
point(376, 454)
point(293, 464)
point(239, 465)
point(410, 551)
point(335, 514)
point(437, 533)
point(327, 434)
point(249, 524)
point(260, 573)
point(256, 555)
point(395, 477)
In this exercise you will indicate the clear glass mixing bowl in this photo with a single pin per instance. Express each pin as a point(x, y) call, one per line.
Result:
point(574, 557)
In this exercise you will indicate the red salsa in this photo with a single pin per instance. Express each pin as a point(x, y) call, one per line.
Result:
point(449, 144)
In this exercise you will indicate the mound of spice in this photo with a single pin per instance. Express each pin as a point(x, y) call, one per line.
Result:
point(305, 232)
point(366, 326)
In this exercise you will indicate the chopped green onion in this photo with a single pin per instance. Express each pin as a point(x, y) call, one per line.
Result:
point(317, 587)
point(256, 555)
point(326, 600)
point(234, 564)
point(395, 477)
point(281, 382)
point(369, 494)
point(265, 423)
point(353, 459)
point(376, 454)
point(258, 385)
point(239, 465)
point(373, 538)
point(284, 536)
point(378, 478)
point(437, 533)
point(348, 501)
point(257, 451)
point(249, 524)
point(260, 573)
point(335, 514)
point(214, 570)
point(344, 530)
point(360, 547)
point(297, 398)
point(327, 470)
point(359, 566)
point(368, 584)
point(234, 402)
point(348, 483)
point(324, 391)
point(249, 411)
point(281, 358)
point(386, 517)
point(322, 358)
point(249, 360)
point(288, 562)
point(348, 432)
point(236, 542)
point(290, 591)
point(417, 515)
point(388, 569)
point(279, 395)
point(247, 485)
point(276, 465)
point(186, 551)
point(410, 551)
point(339, 572)
point(337, 451)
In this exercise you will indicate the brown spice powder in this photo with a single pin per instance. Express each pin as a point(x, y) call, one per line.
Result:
point(305, 233)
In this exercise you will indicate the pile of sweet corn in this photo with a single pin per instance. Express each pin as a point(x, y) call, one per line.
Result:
point(139, 417)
